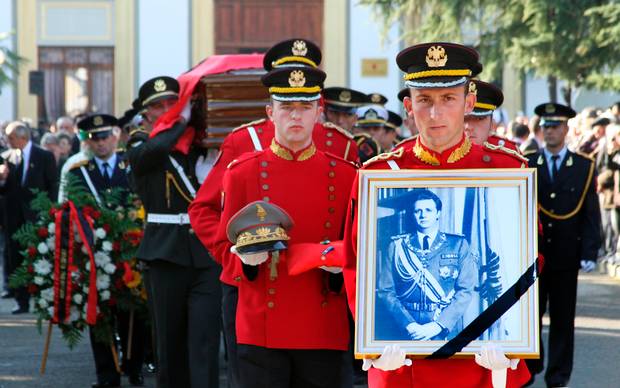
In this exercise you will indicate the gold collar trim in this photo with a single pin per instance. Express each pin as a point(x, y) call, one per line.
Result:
point(428, 158)
point(286, 154)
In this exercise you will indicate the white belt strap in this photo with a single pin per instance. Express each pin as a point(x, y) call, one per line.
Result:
point(184, 177)
point(254, 138)
point(178, 219)
point(90, 185)
point(393, 165)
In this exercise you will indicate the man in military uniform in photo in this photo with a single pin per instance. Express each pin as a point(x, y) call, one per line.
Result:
point(570, 216)
point(437, 75)
point(255, 137)
point(447, 271)
point(182, 285)
point(104, 172)
point(479, 123)
point(280, 341)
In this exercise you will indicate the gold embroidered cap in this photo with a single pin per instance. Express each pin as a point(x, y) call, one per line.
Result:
point(438, 65)
point(258, 227)
point(377, 98)
point(394, 120)
point(97, 126)
point(294, 83)
point(343, 99)
point(488, 97)
point(157, 89)
point(371, 116)
point(292, 53)
point(552, 114)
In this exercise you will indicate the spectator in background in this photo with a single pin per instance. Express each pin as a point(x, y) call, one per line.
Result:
point(49, 142)
point(594, 138)
point(615, 112)
point(535, 141)
point(65, 142)
point(67, 124)
point(607, 163)
point(519, 132)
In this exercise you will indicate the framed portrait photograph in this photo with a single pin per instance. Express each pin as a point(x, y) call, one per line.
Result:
point(436, 249)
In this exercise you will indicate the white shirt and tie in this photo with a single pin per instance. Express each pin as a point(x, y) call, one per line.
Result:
point(556, 159)
point(426, 239)
point(106, 167)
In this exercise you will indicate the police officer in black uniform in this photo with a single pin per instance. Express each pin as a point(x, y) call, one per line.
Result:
point(100, 174)
point(570, 216)
point(183, 282)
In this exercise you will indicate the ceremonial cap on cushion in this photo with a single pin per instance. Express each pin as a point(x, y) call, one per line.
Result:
point(371, 116)
point(97, 126)
point(552, 114)
point(394, 120)
point(343, 99)
point(157, 89)
point(292, 53)
point(377, 98)
point(438, 65)
point(488, 97)
point(294, 83)
point(258, 227)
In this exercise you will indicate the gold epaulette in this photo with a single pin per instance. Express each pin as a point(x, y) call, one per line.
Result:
point(339, 129)
point(79, 164)
point(406, 140)
point(255, 122)
point(590, 158)
point(386, 156)
point(137, 130)
point(514, 153)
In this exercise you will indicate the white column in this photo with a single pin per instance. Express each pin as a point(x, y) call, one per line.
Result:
point(7, 93)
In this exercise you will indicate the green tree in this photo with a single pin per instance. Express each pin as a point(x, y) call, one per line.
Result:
point(9, 61)
point(577, 41)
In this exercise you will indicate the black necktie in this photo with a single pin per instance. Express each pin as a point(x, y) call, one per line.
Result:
point(554, 166)
point(106, 175)
point(425, 244)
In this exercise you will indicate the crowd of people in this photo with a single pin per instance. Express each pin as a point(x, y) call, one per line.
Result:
point(299, 163)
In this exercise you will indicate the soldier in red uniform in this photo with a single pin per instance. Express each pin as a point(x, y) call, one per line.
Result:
point(438, 101)
point(292, 330)
point(256, 136)
point(478, 123)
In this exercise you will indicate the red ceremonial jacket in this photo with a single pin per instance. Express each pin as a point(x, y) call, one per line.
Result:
point(204, 211)
point(462, 373)
point(290, 311)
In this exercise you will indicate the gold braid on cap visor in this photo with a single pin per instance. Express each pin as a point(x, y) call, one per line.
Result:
point(438, 73)
point(482, 105)
point(293, 59)
point(311, 89)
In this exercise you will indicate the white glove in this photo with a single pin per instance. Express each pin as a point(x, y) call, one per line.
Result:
point(187, 110)
point(334, 270)
point(203, 167)
point(251, 258)
point(392, 358)
point(587, 265)
point(492, 357)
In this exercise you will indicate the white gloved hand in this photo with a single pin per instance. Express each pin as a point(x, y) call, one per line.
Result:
point(392, 358)
point(202, 168)
point(251, 258)
point(492, 357)
point(587, 265)
point(187, 111)
point(334, 270)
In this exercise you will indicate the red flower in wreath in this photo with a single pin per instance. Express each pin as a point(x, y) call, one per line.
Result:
point(42, 232)
point(32, 252)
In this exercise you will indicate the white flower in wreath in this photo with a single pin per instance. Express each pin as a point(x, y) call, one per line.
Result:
point(100, 233)
point(74, 314)
point(107, 246)
point(51, 228)
point(38, 280)
point(105, 295)
point(42, 248)
point(77, 237)
point(87, 266)
point(103, 282)
point(109, 268)
point(48, 294)
point(85, 289)
point(51, 242)
point(43, 303)
point(50, 311)
point(42, 267)
point(101, 259)
point(78, 298)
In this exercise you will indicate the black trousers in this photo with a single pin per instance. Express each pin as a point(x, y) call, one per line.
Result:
point(186, 305)
point(559, 290)
point(230, 295)
point(260, 367)
point(102, 352)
